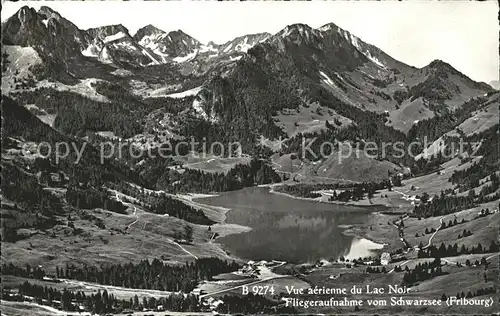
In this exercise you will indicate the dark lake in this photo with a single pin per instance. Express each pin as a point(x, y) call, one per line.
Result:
point(290, 229)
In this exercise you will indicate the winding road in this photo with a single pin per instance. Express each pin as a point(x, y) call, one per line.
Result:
point(399, 265)
point(438, 228)
point(136, 217)
point(432, 236)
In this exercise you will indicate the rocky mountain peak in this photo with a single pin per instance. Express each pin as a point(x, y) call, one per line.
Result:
point(179, 36)
point(152, 28)
point(108, 30)
point(45, 30)
point(298, 29)
point(49, 13)
point(441, 69)
point(328, 27)
point(149, 36)
point(439, 64)
point(26, 15)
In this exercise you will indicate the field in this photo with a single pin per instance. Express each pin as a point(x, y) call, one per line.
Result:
point(356, 166)
point(308, 119)
point(209, 163)
point(132, 237)
point(484, 230)
point(32, 309)
point(466, 278)
point(86, 287)
point(408, 113)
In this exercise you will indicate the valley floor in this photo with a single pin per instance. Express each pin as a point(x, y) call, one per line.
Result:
point(138, 235)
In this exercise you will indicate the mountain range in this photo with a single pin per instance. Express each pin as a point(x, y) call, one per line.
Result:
point(296, 81)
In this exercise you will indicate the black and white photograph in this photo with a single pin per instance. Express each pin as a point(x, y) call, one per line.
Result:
point(250, 157)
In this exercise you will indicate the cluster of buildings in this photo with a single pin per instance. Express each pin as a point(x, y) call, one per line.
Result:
point(251, 268)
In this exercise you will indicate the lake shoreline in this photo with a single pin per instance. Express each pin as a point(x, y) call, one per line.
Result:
point(376, 229)
point(352, 203)
point(252, 202)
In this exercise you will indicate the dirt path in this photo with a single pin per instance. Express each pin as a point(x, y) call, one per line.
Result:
point(32, 306)
point(115, 289)
point(392, 270)
point(441, 220)
point(434, 234)
point(136, 218)
point(212, 239)
point(183, 249)
point(492, 256)
point(487, 258)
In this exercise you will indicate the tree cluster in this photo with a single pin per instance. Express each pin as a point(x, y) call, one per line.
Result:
point(442, 205)
point(101, 302)
point(176, 208)
point(153, 275)
point(252, 304)
point(423, 271)
point(453, 250)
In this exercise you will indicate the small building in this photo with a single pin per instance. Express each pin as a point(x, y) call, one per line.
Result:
point(215, 304)
point(385, 258)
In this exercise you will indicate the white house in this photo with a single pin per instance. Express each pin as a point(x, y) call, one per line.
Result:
point(385, 258)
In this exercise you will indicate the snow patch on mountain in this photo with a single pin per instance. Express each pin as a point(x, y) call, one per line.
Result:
point(154, 61)
point(91, 51)
point(328, 80)
point(297, 33)
point(327, 27)
point(355, 42)
point(335, 88)
point(374, 59)
point(114, 37)
point(149, 41)
point(105, 57)
point(288, 32)
point(244, 47)
point(242, 43)
point(208, 48)
point(228, 48)
point(188, 57)
point(126, 45)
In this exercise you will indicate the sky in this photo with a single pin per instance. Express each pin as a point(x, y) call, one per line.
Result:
point(463, 33)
